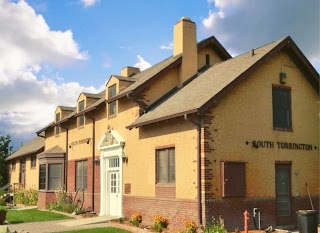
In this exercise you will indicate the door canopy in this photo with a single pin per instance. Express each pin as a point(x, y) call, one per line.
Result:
point(110, 139)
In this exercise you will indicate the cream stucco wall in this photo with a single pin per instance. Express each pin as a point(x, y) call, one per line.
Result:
point(245, 114)
point(31, 174)
point(214, 57)
point(141, 148)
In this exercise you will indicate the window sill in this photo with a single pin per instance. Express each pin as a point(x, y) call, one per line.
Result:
point(81, 127)
point(32, 168)
point(112, 116)
point(57, 135)
point(282, 129)
point(46, 191)
point(166, 185)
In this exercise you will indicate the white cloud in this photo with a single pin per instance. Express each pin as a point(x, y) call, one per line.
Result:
point(29, 49)
point(167, 46)
point(244, 24)
point(89, 3)
point(141, 63)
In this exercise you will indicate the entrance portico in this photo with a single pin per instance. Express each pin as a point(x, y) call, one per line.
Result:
point(111, 153)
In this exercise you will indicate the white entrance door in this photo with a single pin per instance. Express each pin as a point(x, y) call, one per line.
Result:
point(114, 190)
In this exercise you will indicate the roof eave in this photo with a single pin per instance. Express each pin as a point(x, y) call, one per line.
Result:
point(286, 42)
point(161, 119)
point(29, 153)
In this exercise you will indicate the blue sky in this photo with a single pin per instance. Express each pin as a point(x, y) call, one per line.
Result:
point(51, 50)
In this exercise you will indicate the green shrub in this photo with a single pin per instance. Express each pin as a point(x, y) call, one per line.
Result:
point(63, 202)
point(136, 219)
point(26, 197)
point(217, 226)
point(160, 223)
point(3, 202)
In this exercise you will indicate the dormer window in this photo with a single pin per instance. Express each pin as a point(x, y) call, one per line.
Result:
point(112, 106)
point(57, 128)
point(81, 117)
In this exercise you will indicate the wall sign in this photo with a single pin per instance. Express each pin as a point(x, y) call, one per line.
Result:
point(81, 141)
point(281, 145)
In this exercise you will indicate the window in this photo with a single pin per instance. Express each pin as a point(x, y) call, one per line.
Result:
point(57, 128)
point(207, 59)
point(165, 164)
point(81, 117)
point(54, 176)
point(281, 104)
point(114, 162)
point(42, 176)
point(13, 165)
point(81, 175)
point(112, 106)
point(233, 179)
point(33, 161)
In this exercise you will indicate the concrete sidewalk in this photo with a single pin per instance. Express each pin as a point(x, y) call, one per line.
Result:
point(60, 225)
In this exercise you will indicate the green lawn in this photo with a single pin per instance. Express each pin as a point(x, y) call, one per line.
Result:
point(33, 215)
point(99, 230)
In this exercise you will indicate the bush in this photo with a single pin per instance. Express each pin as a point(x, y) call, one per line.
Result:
point(191, 226)
point(3, 202)
point(136, 219)
point(160, 223)
point(26, 197)
point(63, 202)
point(217, 226)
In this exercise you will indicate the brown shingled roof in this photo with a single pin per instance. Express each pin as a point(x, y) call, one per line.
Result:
point(67, 108)
point(36, 145)
point(144, 78)
point(200, 94)
point(53, 150)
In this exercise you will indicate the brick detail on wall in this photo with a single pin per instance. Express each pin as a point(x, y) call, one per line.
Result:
point(207, 120)
point(165, 191)
point(71, 189)
point(45, 198)
point(231, 210)
point(176, 210)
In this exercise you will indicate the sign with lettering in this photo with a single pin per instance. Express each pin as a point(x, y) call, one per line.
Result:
point(81, 141)
point(281, 145)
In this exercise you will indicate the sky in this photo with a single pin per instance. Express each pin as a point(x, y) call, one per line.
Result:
point(52, 50)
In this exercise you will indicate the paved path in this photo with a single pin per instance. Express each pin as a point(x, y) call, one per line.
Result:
point(60, 225)
point(70, 224)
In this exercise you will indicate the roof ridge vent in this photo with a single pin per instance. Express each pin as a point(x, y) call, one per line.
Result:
point(251, 52)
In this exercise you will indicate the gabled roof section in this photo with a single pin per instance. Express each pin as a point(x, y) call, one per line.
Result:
point(45, 128)
point(220, 50)
point(36, 145)
point(200, 94)
point(53, 150)
point(144, 78)
point(122, 78)
point(94, 96)
point(127, 79)
point(67, 108)
point(100, 100)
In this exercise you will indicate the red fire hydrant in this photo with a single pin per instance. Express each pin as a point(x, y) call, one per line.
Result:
point(246, 220)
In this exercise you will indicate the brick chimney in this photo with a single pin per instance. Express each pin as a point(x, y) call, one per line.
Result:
point(129, 71)
point(185, 42)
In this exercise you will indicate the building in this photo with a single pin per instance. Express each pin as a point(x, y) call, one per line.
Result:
point(198, 135)
point(23, 166)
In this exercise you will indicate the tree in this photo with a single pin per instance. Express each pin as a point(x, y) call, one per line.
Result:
point(5, 151)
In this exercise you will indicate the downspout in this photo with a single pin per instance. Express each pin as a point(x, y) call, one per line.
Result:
point(66, 157)
point(199, 197)
point(93, 157)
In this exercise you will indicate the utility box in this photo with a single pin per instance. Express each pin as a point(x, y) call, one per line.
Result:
point(307, 221)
